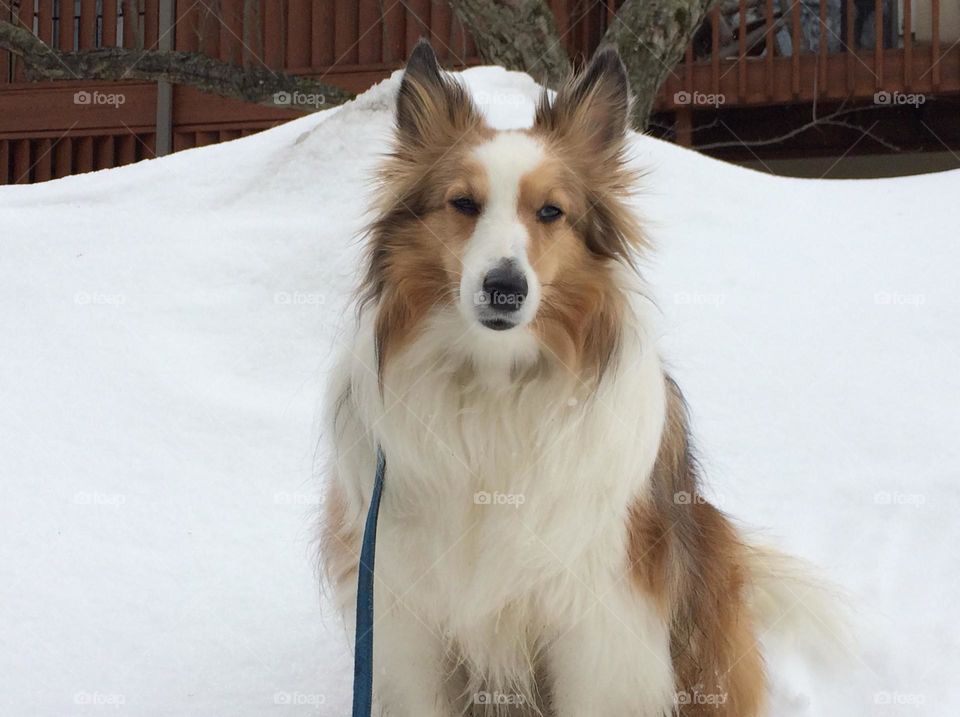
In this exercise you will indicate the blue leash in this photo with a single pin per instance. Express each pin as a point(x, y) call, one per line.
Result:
point(363, 653)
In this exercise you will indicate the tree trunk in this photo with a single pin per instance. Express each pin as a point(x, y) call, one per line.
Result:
point(517, 34)
point(652, 36)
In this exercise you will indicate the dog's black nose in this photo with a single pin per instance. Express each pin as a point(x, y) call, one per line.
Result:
point(505, 287)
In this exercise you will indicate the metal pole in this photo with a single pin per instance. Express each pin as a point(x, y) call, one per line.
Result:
point(164, 133)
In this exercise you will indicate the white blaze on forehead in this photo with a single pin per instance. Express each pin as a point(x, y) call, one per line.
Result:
point(506, 159)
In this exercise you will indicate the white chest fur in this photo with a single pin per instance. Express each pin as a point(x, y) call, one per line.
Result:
point(504, 511)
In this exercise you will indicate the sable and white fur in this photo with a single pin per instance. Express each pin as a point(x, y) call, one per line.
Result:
point(543, 547)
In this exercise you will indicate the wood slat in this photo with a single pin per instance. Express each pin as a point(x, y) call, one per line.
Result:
point(878, 42)
point(935, 42)
point(321, 46)
point(770, 31)
point(25, 19)
point(5, 174)
point(43, 160)
point(21, 161)
point(131, 24)
point(346, 19)
point(684, 129)
point(795, 41)
point(146, 146)
point(151, 23)
point(299, 24)
point(742, 51)
point(183, 140)
point(272, 17)
point(65, 12)
point(83, 154)
point(851, 43)
point(715, 49)
point(45, 21)
point(126, 149)
point(88, 24)
point(6, 14)
point(63, 157)
point(371, 34)
point(187, 19)
point(109, 36)
point(209, 26)
point(441, 23)
point(823, 45)
point(418, 15)
point(104, 152)
point(251, 34)
point(907, 45)
point(231, 31)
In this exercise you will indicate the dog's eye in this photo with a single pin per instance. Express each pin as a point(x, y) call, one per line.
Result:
point(549, 213)
point(465, 205)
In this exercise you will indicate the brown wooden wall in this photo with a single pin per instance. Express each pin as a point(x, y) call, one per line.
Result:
point(48, 130)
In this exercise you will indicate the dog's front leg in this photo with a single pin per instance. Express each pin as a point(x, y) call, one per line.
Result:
point(408, 665)
point(613, 659)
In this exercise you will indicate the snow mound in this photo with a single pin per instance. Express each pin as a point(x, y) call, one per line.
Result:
point(167, 327)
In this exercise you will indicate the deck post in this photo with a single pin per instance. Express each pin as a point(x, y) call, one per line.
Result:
point(163, 144)
point(684, 127)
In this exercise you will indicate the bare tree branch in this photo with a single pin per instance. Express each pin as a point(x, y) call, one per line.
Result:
point(250, 84)
point(829, 120)
point(517, 34)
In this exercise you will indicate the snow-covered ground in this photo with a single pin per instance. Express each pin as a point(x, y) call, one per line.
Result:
point(165, 330)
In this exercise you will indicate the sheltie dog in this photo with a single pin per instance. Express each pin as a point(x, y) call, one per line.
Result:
point(544, 547)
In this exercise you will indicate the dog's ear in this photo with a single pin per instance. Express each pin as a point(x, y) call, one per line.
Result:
point(431, 106)
point(592, 106)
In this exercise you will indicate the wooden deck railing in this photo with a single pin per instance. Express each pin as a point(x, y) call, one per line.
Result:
point(769, 52)
point(749, 53)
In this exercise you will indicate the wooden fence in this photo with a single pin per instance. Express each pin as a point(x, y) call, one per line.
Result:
point(749, 53)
